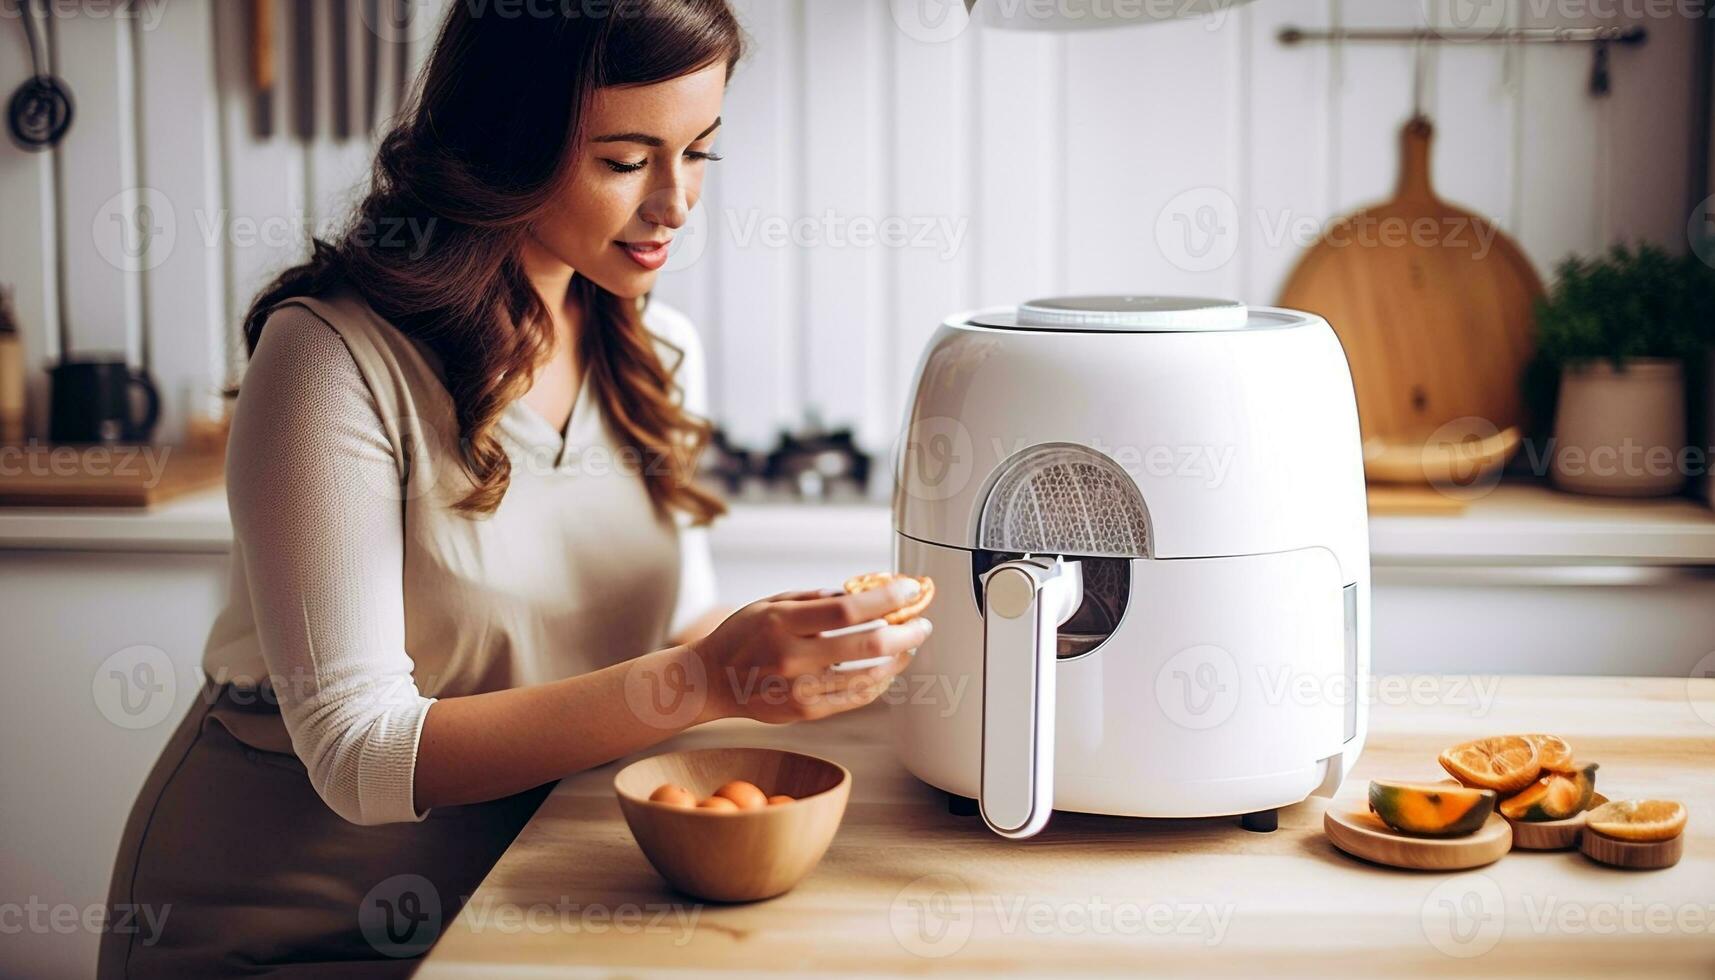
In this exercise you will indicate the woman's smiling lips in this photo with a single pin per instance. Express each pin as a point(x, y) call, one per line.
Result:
point(650, 255)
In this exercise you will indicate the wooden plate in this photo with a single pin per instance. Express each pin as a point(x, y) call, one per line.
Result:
point(1635, 855)
point(1552, 835)
point(1546, 835)
point(1361, 833)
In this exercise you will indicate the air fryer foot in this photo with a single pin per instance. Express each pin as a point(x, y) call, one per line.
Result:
point(1261, 822)
point(961, 806)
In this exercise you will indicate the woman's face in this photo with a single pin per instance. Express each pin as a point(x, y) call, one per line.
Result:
point(637, 175)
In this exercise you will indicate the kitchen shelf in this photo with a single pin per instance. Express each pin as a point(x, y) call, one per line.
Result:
point(1517, 523)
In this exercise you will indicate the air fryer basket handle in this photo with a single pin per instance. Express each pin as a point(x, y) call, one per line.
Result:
point(1024, 603)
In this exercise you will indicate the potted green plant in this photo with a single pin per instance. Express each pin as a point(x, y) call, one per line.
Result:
point(1620, 331)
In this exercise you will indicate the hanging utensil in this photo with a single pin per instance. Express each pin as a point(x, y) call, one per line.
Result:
point(263, 71)
point(339, 39)
point(371, 62)
point(301, 23)
point(41, 110)
point(402, 15)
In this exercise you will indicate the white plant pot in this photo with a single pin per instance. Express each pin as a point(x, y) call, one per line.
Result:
point(1621, 433)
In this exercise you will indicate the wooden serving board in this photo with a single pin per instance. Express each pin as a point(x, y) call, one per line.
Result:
point(1634, 855)
point(104, 476)
point(1402, 501)
point(1552, 835)
point(1361, 833)
point(1436, 323)
point(1547, 835)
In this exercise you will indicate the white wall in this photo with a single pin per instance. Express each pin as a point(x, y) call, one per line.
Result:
point(1060, 163)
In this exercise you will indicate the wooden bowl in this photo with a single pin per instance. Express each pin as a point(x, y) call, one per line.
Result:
point(743, 856)
point(1447, 464)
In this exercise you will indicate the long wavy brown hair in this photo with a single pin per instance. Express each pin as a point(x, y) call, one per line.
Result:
point(481, 150)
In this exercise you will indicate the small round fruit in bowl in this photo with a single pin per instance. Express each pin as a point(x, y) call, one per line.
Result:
point(735, 795)
point(705, 822)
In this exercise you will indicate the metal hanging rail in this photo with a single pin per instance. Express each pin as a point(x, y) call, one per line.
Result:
point(1603, 38)
point(1633, 34)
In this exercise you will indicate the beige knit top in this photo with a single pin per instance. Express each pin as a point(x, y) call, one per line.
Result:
point(358, 596)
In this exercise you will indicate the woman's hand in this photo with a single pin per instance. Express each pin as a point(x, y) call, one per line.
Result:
point(767, 661)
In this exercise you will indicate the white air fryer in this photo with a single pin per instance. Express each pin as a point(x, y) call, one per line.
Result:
point(1146, 522)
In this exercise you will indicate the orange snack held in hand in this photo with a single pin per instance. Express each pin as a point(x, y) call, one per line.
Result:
point(879, 580)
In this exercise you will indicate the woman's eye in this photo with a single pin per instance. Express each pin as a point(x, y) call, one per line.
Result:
point(621, 167)
point(701, 155)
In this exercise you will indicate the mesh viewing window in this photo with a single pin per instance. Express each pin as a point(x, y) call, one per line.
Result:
point(1065, 499)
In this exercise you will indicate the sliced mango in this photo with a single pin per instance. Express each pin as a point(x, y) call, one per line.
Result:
point(1556, 796)
point(1431, 809)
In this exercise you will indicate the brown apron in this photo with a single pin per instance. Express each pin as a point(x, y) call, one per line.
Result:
point(343, 900)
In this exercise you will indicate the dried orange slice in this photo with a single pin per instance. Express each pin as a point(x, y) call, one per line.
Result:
point(877, 580)
point(1638, 820)
point(1553, 752)
point(1504, 763)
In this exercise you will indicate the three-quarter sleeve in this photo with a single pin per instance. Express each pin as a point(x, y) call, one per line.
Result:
point(697, 588)
point(313, 489)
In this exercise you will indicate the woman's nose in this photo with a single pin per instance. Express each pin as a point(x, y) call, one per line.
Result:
point(667, 207)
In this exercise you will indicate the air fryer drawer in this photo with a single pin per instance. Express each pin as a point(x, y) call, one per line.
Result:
point(1225, 686)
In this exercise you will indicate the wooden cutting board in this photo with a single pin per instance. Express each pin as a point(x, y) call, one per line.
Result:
point(1402, 501)
point(104, 476)
point(1433, 304)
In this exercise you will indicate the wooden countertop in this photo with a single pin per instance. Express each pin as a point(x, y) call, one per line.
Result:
point(908, 888)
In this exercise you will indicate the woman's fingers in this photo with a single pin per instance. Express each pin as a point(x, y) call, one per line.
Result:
point(821, 653)
point(809, 616)
point(800, 595)
point(850, 689)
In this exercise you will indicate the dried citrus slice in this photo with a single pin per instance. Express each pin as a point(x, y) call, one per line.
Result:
point(1553, 753)
point(1556, 796)
point(1638, 820)
point(1504, 763)
point(904, 614)
point(1431, 809)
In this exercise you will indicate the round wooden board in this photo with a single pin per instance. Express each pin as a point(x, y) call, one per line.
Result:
point(1634, 855)
point(1361, 833)
point(1546, 835)
point(1437, 327)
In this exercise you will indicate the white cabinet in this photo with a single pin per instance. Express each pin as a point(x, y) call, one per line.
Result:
point(102, 654)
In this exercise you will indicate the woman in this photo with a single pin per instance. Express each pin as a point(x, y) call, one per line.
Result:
point(467, 559)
